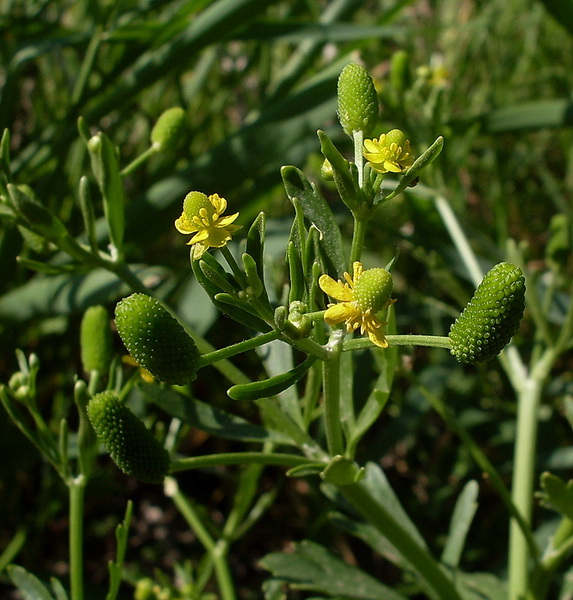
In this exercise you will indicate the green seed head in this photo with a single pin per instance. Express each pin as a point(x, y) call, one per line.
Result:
point(96, 341)
point(170, 128)
point(357, 100)
point(156, 340)
point(372, 290)
point(194, 202)
point(130, 444)
point(491, 317)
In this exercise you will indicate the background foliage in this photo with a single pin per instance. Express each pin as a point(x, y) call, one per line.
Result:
point(257, 79)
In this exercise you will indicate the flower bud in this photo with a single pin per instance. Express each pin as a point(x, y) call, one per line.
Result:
point(170, 128)
point(357, 100)
point(156, 339)
point(130, 444)
point(491, 317)
point(96, 340)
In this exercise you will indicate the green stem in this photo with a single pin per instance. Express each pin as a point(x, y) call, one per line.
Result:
point(418, 556)
point(433, 341)
point(244, 346)
point(522, 488)
point(459, 238)
point(237, 458)
point(139, 160)
point(358, 138)
point(331, 387)
point(76, 488)
point(357, 241)
point(217, 550)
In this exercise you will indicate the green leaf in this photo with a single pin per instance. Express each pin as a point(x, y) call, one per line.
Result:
point(66, 294)
point(312, 568)
point(29, 585)
point(59, 589)
point(208, 417)
point(317, 211)
point(272, 386)
point(531, 115)
point(105, 166)
point(462, 517)
point(256, 242)
point(557, 494)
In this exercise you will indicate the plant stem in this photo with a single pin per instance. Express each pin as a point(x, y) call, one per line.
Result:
point(434, 341)
point(522, 489)
point(357, 241)
point(255, 342)
point(217, 550)
point(237, 458)
point(419, 557)
point(139, 160)
point(76, 488)
point(331, 388)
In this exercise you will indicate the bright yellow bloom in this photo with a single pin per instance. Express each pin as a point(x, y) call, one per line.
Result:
point(202, 217)
point(389, 153)
point(360, 298)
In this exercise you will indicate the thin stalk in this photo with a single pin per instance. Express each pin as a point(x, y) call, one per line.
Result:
point(522, 488)
point(459, 238)
point(237, 458)
point(357, 241)
point(139, 160)
point(217, 550)
point(244, 346)
point(76, 488)
point(358, 138)
point(432, 341)
point(331, 388)
point(419, 557)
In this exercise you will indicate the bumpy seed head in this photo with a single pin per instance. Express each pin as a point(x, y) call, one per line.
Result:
point(194, 202)
point(357, 100)
point(170, 128)
point(156, 340)
point(96, 341)
point(130, 444)
point(372, 290)
point(491, 317)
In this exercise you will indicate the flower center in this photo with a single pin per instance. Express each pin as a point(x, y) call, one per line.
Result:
point(372, 290)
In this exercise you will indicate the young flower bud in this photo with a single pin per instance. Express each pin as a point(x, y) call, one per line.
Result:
point(130, 444)
point(156, 340)
point(491, 317)
point(170, 128)
point(96, 340)
point(372, 290)
point(357, 100)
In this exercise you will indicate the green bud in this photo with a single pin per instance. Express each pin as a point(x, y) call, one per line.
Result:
point(326, 171)
point(96, 341)
point(373, 289)
point(170, 128)
point(357, 100)
point(400, 77)
point(156, 340)
point(130, 444)
point(491, 317)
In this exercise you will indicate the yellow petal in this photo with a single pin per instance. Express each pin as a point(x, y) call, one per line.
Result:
point(338, 313)
point(200, 236)
point(184, 225)
point(224, 221)
point(371, 146)
point(335, 289)
point(392, 166)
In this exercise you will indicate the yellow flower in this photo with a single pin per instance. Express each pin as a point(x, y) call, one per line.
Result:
point(389, 153)
point(360, 298)
point(202, 217)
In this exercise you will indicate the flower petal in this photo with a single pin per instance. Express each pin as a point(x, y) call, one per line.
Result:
point(338, 313)
point(184, 225)
point(335, 289)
